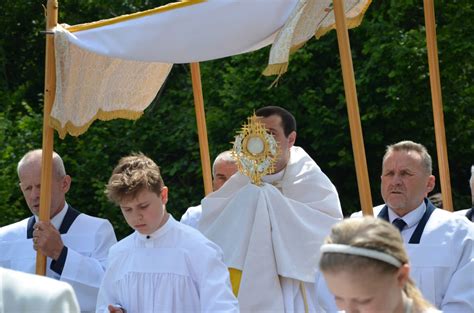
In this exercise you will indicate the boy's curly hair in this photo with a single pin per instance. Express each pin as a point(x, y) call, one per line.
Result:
point(133, 174)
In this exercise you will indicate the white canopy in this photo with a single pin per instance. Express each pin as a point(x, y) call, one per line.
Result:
point(114, 68)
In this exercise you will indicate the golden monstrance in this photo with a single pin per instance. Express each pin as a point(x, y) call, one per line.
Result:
point(255, 150)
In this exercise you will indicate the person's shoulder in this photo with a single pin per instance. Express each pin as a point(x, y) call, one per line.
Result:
point(92, 219)
point(122, 246)
point(299, 153)
point(92, 222)
point(302, 170)
point(356, 214)
point(444, 216)
point(446, 222)
point(192, 216)
point(376, 210)
point(193, 210)
point(461, 212)
point(188, 233)
point(193, 240)
point(300, 158)
point(14, 231)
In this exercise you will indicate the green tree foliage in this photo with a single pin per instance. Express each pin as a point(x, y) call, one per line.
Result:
point(391, 69)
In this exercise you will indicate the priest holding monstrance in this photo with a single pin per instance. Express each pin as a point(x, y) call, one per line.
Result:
point(272, 216)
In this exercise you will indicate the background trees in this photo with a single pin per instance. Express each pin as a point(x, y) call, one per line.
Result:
point(390, 62)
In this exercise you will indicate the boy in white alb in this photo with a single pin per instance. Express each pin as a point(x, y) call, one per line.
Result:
point(163, 266)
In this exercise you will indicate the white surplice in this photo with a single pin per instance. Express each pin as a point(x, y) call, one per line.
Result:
point(174, 269)
point(273, 232)
point(24, 292)
point(88, 241)
point(442, 263)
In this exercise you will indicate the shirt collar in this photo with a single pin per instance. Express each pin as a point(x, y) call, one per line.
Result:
point(58, 219)
point(412, 218)
point(159, 232)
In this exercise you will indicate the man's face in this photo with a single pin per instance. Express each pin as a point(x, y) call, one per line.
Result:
point(223, 170)
point(146, 212)
point(274, 126)
point(30, 184)
point(405, 182)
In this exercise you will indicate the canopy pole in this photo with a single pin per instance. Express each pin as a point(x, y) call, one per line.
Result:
point(48, 134)
point(437, 103)
point(201, 125)
point(353, 109)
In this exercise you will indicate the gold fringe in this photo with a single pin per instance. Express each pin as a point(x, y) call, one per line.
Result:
point(118, 19)
point(276, 81)
point(275, 69)
point(297, 47)
point(352, 22)
point(281, 68)
point(74, 130)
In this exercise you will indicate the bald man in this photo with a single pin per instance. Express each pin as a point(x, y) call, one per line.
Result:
point(76, 244)
point(223, 168)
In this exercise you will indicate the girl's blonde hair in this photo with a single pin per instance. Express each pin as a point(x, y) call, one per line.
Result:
point(373, 234)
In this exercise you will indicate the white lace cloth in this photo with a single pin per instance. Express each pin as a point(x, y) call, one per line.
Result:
point(91, 86)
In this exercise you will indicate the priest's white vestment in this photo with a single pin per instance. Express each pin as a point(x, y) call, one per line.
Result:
point(302, 180)
point(174, 269)
point(272, 233)
point(87, 239)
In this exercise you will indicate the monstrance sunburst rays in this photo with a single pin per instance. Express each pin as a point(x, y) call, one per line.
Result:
point(255, 150)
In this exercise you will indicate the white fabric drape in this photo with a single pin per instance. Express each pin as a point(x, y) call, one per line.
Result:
point(91, 86)
point(201, 31)
point(268, 233)
point(114, 68)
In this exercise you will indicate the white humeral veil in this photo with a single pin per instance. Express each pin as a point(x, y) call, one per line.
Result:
point(267, 234)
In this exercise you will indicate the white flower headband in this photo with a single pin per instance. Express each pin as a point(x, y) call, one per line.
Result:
point(368, 253)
